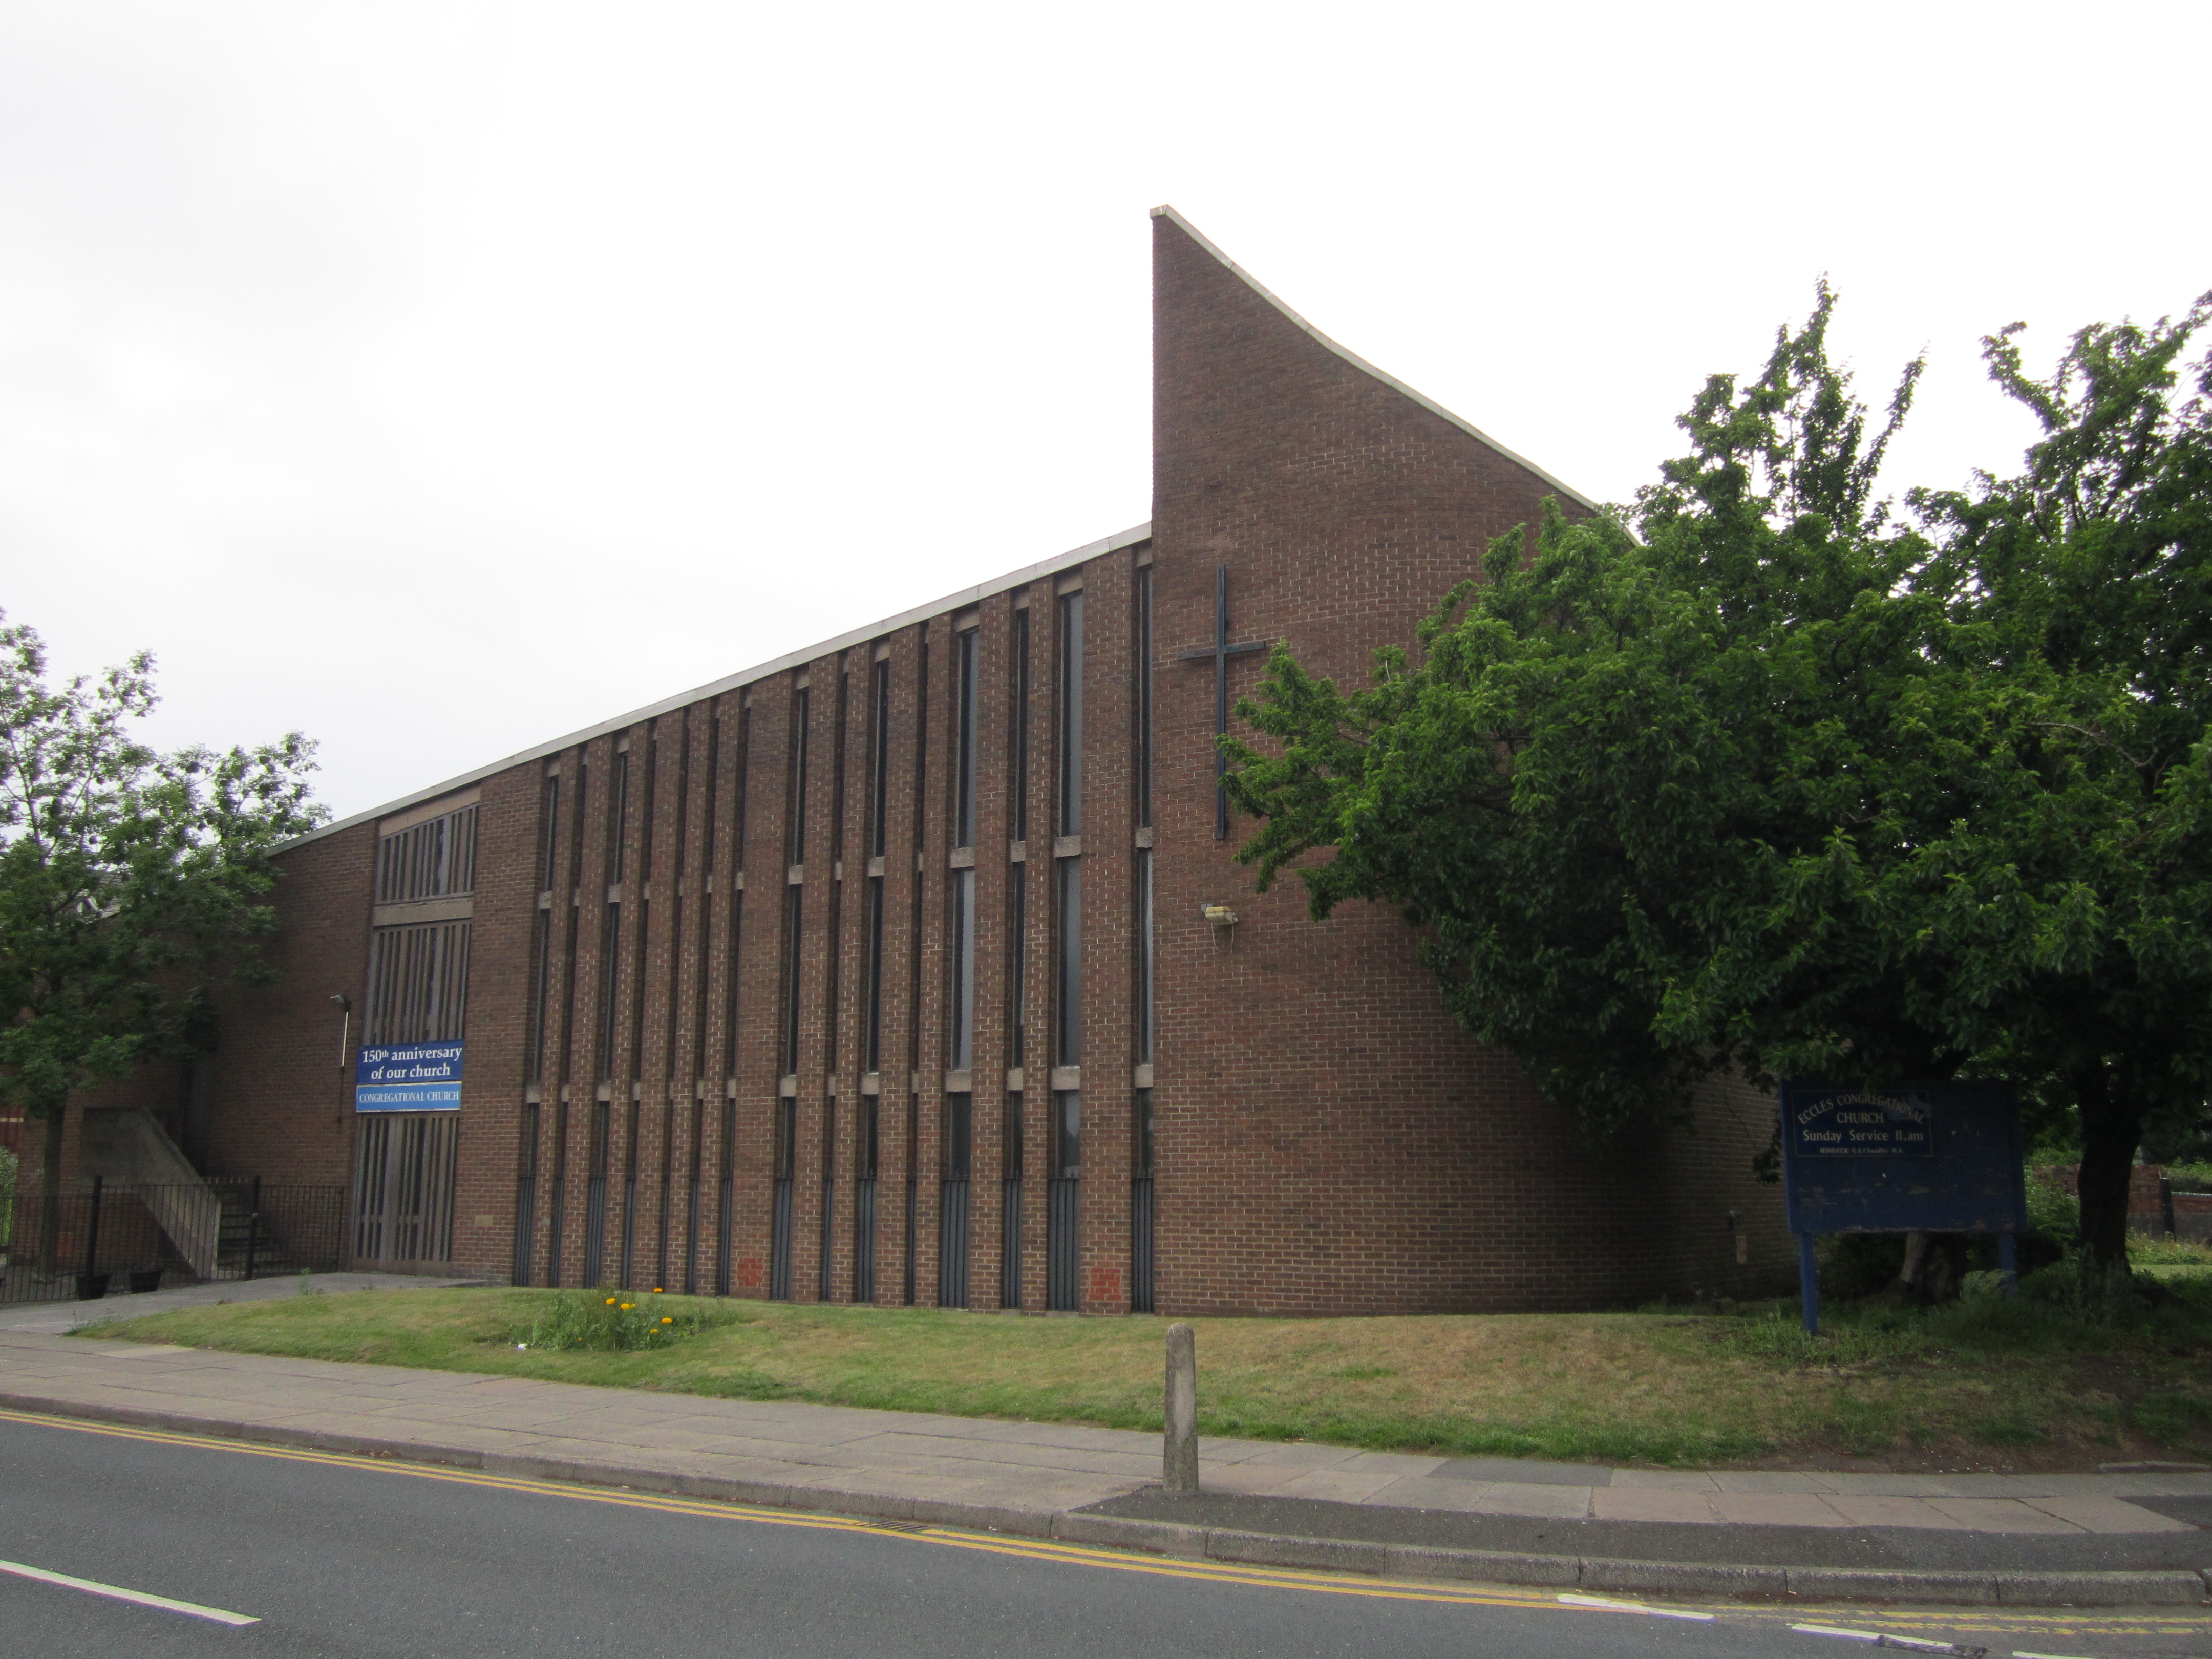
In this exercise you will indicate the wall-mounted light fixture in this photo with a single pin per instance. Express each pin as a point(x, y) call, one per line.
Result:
point(346, 1027)
point(1220, 915)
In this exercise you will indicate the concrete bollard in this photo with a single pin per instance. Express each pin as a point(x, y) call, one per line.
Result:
point(1179, 1458)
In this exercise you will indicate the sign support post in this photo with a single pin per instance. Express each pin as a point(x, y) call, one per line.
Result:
point(1808, 1284)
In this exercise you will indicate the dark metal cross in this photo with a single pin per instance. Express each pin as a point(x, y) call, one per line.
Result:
point(1219, 653)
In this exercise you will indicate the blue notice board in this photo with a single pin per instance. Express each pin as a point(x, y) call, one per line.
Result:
point(409, 1077)
point(1940, 1157)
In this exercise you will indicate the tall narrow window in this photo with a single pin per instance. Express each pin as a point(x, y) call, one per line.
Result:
point(1020, 743)
point(1017, 999)
point(1144, 955)
point(1145, 697)
point(1068, 899)
point(1009, 1205)
point(879, 779)
point(1063, 1203)
point(874, 1044)
point(963, 969)
point(879, 770)
point(798, 776)
point(790, 966)
point(541, 955)
point(1141, 1289)
point(1063, 1206)
point(611, 922)
point(867, 1141)
point(1069, 964)
point(795, 846)
point(786, 1160)
point(964, 810)
point(732, 979)
point(1071, 713)
point(828, 1251)
point(958, 1142)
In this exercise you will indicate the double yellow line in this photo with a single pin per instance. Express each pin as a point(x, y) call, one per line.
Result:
point(1040, 1549)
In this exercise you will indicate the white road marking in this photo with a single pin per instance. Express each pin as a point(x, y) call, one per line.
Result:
point(1601, 1605)
point(1878, 1639)
point(2018, 1655)
point(121, 1594)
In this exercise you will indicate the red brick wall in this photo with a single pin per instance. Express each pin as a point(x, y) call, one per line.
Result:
point(1327, 1140)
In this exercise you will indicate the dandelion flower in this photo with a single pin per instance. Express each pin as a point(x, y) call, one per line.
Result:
point(610, 1302)
point(667, 1320)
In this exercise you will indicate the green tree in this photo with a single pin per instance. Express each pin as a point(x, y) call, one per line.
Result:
point(1777, 783)
point(132, 882)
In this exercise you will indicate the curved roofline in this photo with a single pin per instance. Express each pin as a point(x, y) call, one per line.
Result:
point(790, 659)
point(1164, 211)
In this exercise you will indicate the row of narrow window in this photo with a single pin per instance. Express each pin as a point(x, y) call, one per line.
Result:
point(1065, 1120)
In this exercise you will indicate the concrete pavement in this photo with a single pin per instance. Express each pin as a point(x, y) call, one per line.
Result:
point(1100, 1485)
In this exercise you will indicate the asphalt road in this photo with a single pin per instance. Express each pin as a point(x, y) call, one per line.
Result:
point(332, 1556)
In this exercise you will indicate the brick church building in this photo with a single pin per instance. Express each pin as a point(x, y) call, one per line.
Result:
point(914, 967)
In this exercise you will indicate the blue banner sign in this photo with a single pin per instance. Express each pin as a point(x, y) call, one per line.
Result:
point(1945, 1157)
point(412, 1077)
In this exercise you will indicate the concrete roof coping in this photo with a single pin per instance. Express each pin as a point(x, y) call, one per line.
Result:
point(943, 607)
point(1366, 368)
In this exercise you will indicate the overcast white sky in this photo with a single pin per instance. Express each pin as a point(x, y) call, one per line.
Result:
point(440, 378)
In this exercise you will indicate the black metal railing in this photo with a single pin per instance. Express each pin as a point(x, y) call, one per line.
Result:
point(140, 1235)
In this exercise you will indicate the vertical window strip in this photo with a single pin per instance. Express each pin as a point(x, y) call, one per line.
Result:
point(1020, 713)
point(964, 813)
point(834, 988)
point(1144, 696)
point(963, 969)
point(1069, 991)
point(797, 807)
point(1145, 956)
point(874, 1034)
point(1071, 713)
point(739, 829)
point(792, 965)
point(879, 770)
point(1009, 1203)
point(542, 942)
point(670, 1012)
point(1018, 932)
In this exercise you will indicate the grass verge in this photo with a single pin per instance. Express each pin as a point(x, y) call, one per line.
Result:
point(1981, 1384)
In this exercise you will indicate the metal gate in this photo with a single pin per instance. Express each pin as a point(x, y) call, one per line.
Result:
point(403, 1187)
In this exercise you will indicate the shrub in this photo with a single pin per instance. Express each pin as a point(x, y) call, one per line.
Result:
point(2051, 1210)
point(625, 1320)
point(2167, 1251)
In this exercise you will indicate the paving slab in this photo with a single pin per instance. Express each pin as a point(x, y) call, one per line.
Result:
point(1776, 1509)
point(1524, 1517)
point(1688, 1507)
point(2004, 1515)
